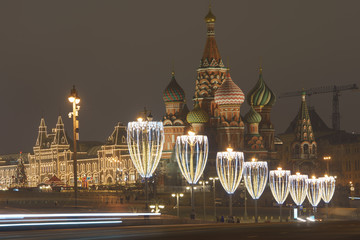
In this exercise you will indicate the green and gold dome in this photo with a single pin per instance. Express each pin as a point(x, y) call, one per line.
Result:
point(197, 115)
point(252, 116)
point(261, 94)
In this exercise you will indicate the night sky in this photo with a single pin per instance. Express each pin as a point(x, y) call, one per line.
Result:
point(119, 55)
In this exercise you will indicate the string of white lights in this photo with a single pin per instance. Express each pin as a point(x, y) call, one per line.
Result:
point(298, 188)
point(229, 167)
point(279, 184)
point(191, 154)
point(145, 142)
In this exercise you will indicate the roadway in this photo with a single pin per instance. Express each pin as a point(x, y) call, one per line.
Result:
point(343, 230)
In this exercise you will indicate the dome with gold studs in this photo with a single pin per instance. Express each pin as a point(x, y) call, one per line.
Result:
point(197, 115)
point(210, 17)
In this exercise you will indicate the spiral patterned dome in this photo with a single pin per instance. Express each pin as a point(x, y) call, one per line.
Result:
point(261, 94)
point(252, 116)
point(173, 92)
point(197, 115)
point(229, 93)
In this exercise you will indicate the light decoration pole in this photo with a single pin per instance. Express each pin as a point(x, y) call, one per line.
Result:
point(255, 177)
point(75, 100)
point(191, 154)
point(314, 192)
point(280, 186)
point(229, 168)
point(327, 191)
point(298, 188)
point(204, 183)
point(213, 179)
point(145, 140)
point(178, 196)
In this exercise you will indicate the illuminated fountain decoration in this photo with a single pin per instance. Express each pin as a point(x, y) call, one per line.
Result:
point(280, 186)
point(145, 141)
point(229, 167)
point(191, 154)
point(327, 190)
point(255, 177)
point(314, 191)
point(298, 188)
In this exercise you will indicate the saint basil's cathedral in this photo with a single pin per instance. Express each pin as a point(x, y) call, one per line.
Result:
point(217, 110)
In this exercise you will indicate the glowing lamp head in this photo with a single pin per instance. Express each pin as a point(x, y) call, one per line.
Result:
point(298, 173)
point(71, 99)
point(326, 175)
point(313, 177)
point(253, 159)
point(229, 149)
point(139, 119)
point(279, 168)
point(191, 133)
point(173, 195)
point(181, 195)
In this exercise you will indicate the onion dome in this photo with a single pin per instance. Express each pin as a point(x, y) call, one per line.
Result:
point(197, 115)
point(173, 92)
point(229, 93)
point(261, 95)
point(210, 17)
point(252, 116)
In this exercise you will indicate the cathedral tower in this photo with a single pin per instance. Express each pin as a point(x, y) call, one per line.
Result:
point(210, 73)
point(262, 99)
point(230, 129)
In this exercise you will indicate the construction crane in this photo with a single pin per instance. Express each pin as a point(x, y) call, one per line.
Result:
point(326, 89)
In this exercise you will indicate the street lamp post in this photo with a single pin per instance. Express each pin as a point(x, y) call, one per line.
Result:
point(191, 154)
point(203, 183)
point(255, 177)
point(327, 159)
point(75, 100)
point(145, 141)
point(178, 196)
point(214, 190)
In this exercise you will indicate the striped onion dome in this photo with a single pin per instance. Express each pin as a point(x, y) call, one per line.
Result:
point(229, 93)
point(173, 92)
point(261, 95)
point(197, 115)
point(252, 116)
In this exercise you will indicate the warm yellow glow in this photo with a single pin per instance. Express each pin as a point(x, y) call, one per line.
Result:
point(161, 206)
point(152, 206)
point(229, 149)
point(279, 168)
point(327, 158)
point(297, 173)
point(191, 133)
point(77, 100)
point(313, 177)
point(200, 182)
point(181, 195)
point(253, 159)
point(139, 119)
point(173, 195)
point(71, 99)
point(326, 175)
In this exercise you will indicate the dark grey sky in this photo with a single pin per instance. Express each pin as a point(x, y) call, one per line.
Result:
point(119, 54)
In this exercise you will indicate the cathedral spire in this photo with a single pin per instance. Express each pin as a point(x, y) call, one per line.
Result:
point(211, 56)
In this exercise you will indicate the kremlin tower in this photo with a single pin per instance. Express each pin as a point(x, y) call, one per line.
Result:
point(304, 147)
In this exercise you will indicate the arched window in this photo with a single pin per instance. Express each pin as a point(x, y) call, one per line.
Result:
point(313, 149)
point(306, 148)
